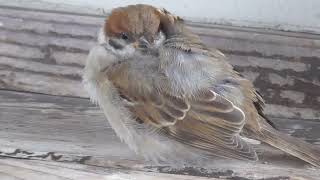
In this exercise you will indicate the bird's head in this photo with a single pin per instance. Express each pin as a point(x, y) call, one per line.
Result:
point(136, 28)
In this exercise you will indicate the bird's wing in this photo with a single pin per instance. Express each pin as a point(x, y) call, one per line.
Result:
point(205, 121)
point(213, 123)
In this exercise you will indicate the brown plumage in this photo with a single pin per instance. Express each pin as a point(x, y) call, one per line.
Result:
point(178, 88)
point(136, 20)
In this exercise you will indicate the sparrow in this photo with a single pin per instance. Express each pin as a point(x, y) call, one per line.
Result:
point(171, 98)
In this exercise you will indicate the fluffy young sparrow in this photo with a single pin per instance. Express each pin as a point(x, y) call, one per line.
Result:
point(170, 98)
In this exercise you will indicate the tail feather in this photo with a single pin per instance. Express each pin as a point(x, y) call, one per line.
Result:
point(294, 146)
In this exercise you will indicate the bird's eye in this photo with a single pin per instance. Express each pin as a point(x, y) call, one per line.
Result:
point(124, 36)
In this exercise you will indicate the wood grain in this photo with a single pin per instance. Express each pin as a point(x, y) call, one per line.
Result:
point(64, 129)
point(52, 131)
point(44, 51)
point(38, 170)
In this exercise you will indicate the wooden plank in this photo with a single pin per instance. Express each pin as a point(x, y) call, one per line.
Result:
point(21, 51)
point(46, 16)
point(286, 38)
point(76, 125)
point(64, 78)
point(38, 67)
point(11, 169)
point(65, 129)
point(51, 7)
point(69, 58)
point(36, 26)
point(18, 79)
point(49, 48)
point(39, 170)
point(44, 51)
point(44, 24)
point(308, 130)
point(68, 8)
point(38, 40)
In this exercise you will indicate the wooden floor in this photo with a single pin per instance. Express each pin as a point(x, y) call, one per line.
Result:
point(50, 130)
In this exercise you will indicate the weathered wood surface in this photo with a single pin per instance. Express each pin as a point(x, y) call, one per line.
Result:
point(66, 129)
point(44, 51)
point(39, 170)
point(11, 169)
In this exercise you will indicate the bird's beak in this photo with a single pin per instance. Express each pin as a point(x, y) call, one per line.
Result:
point(136, 44)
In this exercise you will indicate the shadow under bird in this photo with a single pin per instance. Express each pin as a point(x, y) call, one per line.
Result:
point(172, 99)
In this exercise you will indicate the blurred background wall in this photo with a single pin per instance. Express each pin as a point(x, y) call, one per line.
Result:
point(278, 14)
